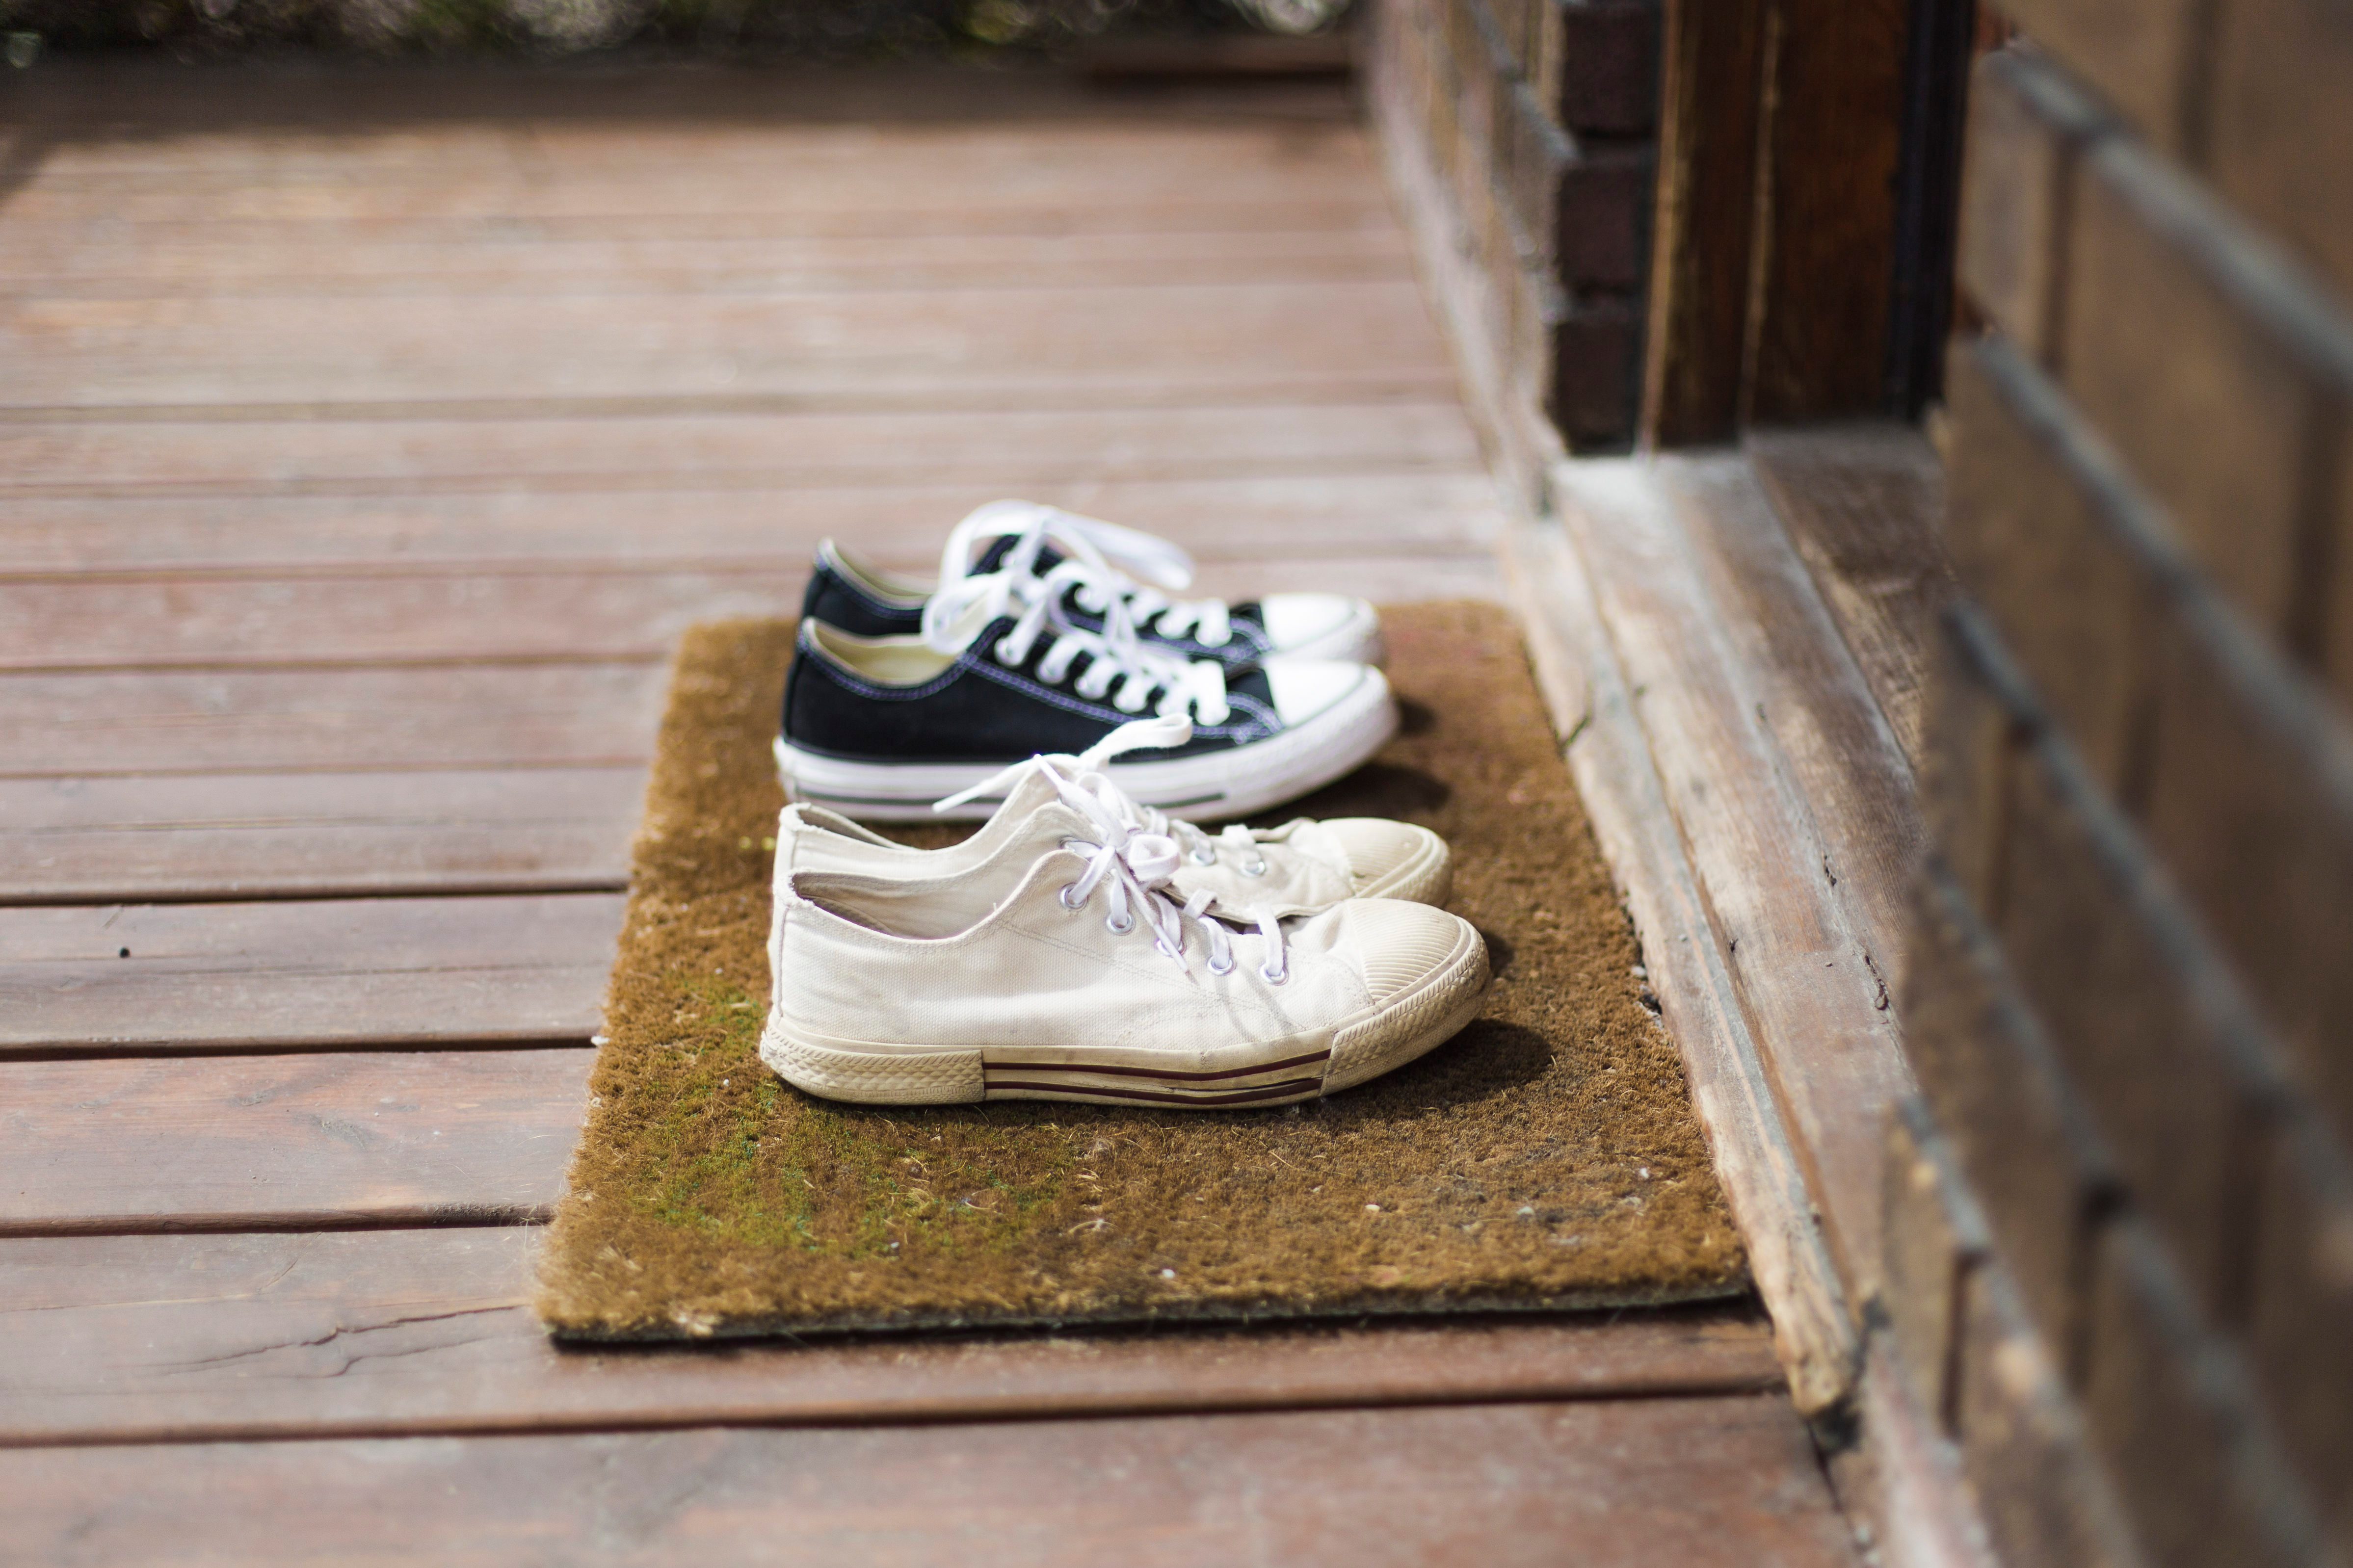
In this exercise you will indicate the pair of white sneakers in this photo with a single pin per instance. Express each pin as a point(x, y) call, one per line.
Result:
point(1083, 946)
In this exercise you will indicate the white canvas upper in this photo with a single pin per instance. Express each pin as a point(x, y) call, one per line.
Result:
point(1297, 868)
point(1078, 974)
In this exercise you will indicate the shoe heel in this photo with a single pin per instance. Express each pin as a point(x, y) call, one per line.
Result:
point(875, 1077)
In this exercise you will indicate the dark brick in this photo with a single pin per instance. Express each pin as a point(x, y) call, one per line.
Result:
point(1603, 219)
point(1595, 363)
point(1608, 81)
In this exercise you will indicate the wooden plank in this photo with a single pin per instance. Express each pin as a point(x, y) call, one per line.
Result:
point(219, 181)
point(1709, 118)
point(1238, 341)
point(95, 623)
point(280, 975)
point(2279, 128)
point(155, 1143)
point(206, 1337)
point(2029, 126)
point(1834, 746)
point(2236, 421)
point(1864, 505)
point(189, 260)
point(388, 617)
point(1794, 947)
point(681, 527)
point(426, 717)
point(467, 449)
point(1343, 207)
point(1822, 272)
point(1610, 756)
point(1697, 1482)
point(213, 837)
point(2147, 57)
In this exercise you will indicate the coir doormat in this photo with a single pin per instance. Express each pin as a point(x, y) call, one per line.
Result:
point(1547, 1157)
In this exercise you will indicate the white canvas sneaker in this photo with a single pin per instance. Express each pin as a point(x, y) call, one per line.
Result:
point(1300, 867)
point(1105, 561)
point(1079, 977)
point(880, 728)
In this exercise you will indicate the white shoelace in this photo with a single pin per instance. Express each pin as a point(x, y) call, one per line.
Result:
point(1135, 863)
point(1116, 657)
point(1110, 559)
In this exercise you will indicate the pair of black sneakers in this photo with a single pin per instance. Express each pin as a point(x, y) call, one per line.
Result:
point(1045, 632)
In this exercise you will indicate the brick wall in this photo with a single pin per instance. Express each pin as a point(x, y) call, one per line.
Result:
point(2120, 1264)
point(1535, 120)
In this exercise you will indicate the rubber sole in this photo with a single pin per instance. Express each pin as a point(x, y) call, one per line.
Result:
point(1262, 1073)
point(1228, 784)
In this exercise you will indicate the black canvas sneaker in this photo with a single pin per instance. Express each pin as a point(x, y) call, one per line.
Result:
point(881, 727)
point(1032, 541)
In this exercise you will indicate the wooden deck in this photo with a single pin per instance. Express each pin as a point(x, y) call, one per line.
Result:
point(365, 436)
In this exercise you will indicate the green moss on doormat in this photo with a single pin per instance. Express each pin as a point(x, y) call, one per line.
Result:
point(1547, 1157)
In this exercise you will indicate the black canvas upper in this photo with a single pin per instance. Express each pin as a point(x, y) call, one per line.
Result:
point(839, 601)
point(980, 710)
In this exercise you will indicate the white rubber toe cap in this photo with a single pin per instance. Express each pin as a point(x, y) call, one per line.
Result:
point(1321, 625)
point(1303, 688)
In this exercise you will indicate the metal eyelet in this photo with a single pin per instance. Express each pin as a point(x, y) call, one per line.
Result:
point(1120, 925)
point(1064, 898)
point(1255, 868)
point(1011, 660)
point(1205, 856)
point(1229, 968)
point(1274, 977)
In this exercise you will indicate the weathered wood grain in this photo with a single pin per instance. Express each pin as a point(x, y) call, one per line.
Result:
point(469, 450)
point(1865, 507)
point(1835, 746)
point(210, 836)
point(97, 622)
point(676, 525)
point(435, 716)
point(1696, 1482)
point(1242, 340)
point(192, 259)
point(610, 614)
point(1809, 980)
point(223, 181)
point(155, 1143)
point(278, 975)
point(1585, 686)
point(186, 1338)
point(1709, 126)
